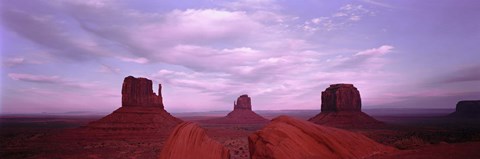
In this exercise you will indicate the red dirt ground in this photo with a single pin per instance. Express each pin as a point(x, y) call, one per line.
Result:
point(420, 136)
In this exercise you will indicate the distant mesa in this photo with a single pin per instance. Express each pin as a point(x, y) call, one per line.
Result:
point(341, 107)
point(141, 108)
point(289, 138)
point(189, 141)
point(467, 109)
point(242, 113)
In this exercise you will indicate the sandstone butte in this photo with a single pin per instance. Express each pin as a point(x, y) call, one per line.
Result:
point(141, 108)
point(189, 141)
point(289, 138)
point(242, 113)
point(467, 109)
point(341, 107)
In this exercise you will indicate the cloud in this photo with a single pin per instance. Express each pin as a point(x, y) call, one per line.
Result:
point(108, 69)
point(376, 3)
point(32, 58)
point(345, 16)
point(35, 78)
point(180, 37)
point(465, 74)
point(376, 51)
point(56, 80)
point(47, 31)
point(206, 82)
point(139, 60)
point(253, 5)
point(439, 100)
point(279, 78)
point(199, 39)
point(9, 62)
point(369, 59)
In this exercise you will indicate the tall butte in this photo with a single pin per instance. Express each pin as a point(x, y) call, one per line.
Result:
point(138, 129)
point(141, 108)
point(341, 107)
point(138, 92)
point(242, 113)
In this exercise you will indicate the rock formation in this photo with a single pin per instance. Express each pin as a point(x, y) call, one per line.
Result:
point(242, 114)
point(289, 138)
point(243, 103)
point(341, 97)
point(141, 108)
point(138, 92)
point(467, 109)
point(341, 107)
point(189, 141)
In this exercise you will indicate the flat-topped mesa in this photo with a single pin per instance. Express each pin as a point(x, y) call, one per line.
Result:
point(468, 106)
point(243, 102)
point(467, 109)
point(341, 97)
point(138, 92)
point(342, 107)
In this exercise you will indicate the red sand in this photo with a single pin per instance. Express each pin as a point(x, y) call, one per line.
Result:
point(47, 137)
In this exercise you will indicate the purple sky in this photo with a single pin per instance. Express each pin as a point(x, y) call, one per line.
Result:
point(61, 56)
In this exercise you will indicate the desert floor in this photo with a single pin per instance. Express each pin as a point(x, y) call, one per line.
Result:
point(417, 133)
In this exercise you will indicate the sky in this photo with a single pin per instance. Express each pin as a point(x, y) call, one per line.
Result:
point(65, 56)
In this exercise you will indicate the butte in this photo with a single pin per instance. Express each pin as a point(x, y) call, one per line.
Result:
point(242, 113)
point(141, 109)
point(467, 109)
point(341, 107)
point(138, 129)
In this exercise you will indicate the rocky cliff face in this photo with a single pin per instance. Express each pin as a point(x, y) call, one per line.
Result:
point(189, 141)
point(341, 97)
point(341, 107)
point(138, 92)
point(289, 138)
point(243, 103)
point(467, 109)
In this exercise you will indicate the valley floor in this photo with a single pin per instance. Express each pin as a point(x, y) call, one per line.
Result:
point(417, 136)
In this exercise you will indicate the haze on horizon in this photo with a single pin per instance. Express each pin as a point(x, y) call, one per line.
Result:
point(62, 56)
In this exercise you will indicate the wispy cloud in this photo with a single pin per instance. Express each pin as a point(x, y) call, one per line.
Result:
point(108, 69)
point(465, 74)
point(362, 60)
point(9, 62)
point(376, 51)
point(56, 80)
point(35, 78)
point(252, 5)
point(345, 16)
point(377, 3)
point(49, 33)
point(139, 60)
